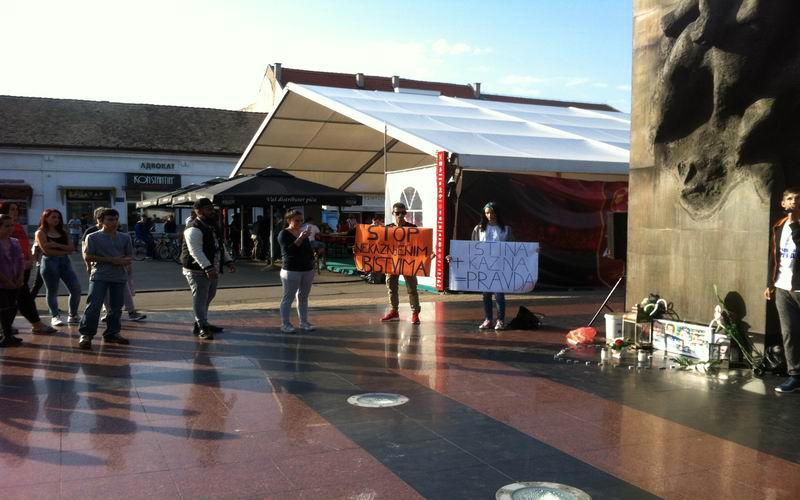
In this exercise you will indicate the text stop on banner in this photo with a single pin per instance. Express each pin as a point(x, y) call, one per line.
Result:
point(493, 266)
point(402, 250)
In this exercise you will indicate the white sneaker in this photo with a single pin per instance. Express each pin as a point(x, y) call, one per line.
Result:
point(307, 327)
point(487, 324)
point(287, 328)
point(74, 320)
point(57, 321)
point(500, 325)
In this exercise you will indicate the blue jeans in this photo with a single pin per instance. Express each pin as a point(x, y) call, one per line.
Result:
point(501, 306)
point(94, 303)
point(54, 270)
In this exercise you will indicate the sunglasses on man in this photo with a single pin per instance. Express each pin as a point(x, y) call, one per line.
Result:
point(400, 213)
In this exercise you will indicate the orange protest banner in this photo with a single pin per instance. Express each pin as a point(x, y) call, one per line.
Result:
point(402, 250)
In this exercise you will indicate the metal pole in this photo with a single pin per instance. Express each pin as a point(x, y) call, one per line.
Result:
point(272, 234)
point(241, 230)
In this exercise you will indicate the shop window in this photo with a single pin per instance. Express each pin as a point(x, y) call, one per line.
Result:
point(411, 199)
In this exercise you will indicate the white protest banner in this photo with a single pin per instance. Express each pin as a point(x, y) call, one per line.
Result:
point(493, 266)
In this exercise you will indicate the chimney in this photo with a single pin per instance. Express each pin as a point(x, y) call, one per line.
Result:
point(360, 80)
point(395, 82)
point(278, 72)
point(476, 90)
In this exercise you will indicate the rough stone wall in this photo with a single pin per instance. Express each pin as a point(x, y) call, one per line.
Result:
point(715, 96)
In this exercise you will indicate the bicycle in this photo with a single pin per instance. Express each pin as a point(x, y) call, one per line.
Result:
point(168, 248)
point(139, 249)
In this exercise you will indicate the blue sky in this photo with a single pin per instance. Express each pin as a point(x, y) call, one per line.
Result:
point(214, 53)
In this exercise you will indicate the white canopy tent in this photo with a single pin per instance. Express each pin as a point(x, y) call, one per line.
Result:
point(337, 137)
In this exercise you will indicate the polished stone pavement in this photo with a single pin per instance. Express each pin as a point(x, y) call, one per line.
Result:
point(260, 414)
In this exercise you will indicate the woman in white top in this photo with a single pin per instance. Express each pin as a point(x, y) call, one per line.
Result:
point(493, 228)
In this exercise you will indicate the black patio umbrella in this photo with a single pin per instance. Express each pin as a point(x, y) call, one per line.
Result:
point(271, 186)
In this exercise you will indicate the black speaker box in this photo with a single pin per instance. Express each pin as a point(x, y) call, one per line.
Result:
point(617, 232)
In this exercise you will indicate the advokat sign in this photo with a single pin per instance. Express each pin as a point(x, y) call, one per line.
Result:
point(153, 182)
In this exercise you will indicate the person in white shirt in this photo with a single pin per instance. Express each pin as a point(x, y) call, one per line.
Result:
point(493, 228)
point(784, 284)
point(202, 258)
point(75, 226)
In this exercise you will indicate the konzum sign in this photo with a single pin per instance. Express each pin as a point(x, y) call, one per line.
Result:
point(153, 182)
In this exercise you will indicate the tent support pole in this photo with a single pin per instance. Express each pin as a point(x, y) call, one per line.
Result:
point(377, 156)
point(272, 234)
point(241, 230)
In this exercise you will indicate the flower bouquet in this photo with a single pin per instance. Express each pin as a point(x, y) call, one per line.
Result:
point(618, 347)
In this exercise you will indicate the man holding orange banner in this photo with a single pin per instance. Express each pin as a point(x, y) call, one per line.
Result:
point(397, 249)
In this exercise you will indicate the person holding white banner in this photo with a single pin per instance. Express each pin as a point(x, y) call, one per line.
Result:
point(493, 228)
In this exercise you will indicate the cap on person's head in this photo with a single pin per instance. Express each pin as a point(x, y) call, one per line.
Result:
point(202, 203)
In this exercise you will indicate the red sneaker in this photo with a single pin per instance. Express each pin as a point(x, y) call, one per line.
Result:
point(391, 316)
point(414, 318)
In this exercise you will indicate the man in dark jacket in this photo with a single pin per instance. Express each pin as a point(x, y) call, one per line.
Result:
point(784, 284)
point(202, 258)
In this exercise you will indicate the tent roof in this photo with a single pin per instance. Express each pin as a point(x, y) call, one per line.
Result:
point(335, 136)
point(272, 186)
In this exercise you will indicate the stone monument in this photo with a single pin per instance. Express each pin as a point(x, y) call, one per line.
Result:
point(715, 140)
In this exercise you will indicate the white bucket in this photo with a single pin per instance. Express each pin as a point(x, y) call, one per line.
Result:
point(613, 326)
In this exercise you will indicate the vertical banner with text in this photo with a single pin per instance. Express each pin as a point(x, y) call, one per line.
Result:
point(404, 251)
point(441, 184)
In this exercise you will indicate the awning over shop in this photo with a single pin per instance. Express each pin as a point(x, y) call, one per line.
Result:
point(175, 198)
point(338, 136)
point(15, 191)
point(272, 187)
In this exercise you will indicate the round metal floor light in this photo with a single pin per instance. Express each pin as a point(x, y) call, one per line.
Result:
point(540, 491)
point(377, 400)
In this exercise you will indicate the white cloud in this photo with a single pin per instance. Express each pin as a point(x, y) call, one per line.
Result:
point(600, 85)
point(521, 79)
point(624, 88)
point(443, 47)
point(481, 69)
point(525, 91)
point(574, 82)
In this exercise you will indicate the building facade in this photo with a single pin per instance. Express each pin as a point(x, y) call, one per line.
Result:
point(77, 155)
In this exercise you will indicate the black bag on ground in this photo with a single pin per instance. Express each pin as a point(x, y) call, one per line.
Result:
point(525, 320)
point(773, 362)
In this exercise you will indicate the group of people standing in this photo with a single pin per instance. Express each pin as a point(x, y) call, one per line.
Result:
point(107, 254)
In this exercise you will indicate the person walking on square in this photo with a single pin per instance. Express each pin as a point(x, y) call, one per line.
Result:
point(52, 240)
point(399, 211)
point(26, 302)
point(297, 273)
point(202, 258)
point(75, 226)
point(109, 252)
point(12, 270)
point(784, 284)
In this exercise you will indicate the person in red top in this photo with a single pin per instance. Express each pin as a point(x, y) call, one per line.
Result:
point(11, 271)
point(26, 301)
